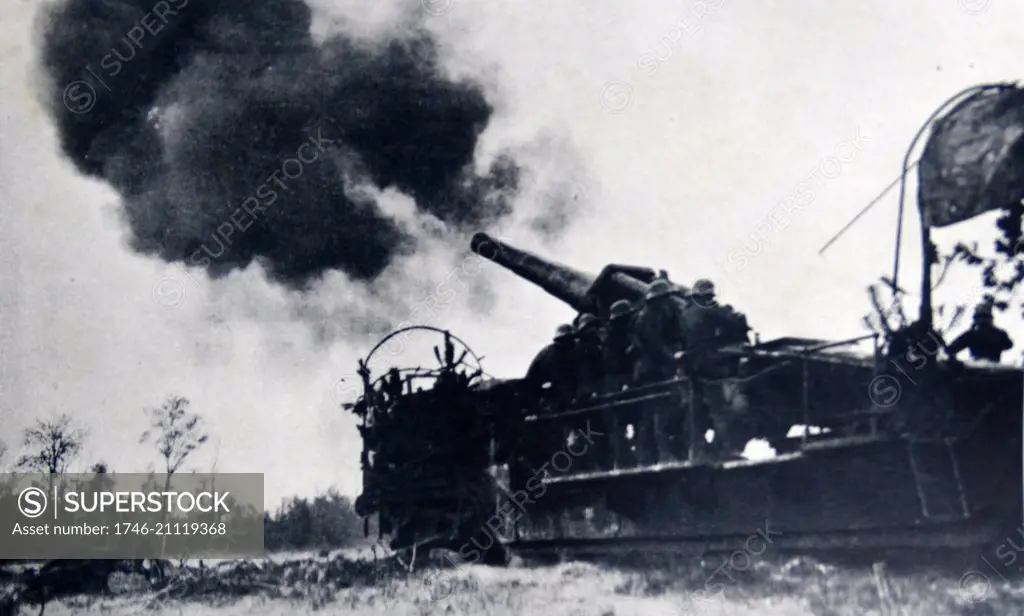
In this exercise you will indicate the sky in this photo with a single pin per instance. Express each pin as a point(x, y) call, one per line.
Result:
point(681, 125)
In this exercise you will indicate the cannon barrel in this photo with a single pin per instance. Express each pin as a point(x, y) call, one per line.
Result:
point(562, 282)
point(581, 291)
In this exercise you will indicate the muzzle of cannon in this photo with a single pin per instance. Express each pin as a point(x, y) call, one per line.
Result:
point(561, 282)
point(581, 291)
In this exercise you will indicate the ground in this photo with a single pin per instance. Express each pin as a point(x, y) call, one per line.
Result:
point(795, 587)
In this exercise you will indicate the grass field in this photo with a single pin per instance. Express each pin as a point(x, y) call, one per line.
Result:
point(795, 588)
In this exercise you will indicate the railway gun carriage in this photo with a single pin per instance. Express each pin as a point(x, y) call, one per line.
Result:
point(897, 448)
point(894, 460)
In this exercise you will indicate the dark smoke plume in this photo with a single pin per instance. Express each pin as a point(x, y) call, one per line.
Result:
point(190, 109)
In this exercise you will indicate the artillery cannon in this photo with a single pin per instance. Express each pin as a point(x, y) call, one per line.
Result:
point(926, 459)
point(580, 291)
point(862, 481)
point(881, 472)
point(586, 293)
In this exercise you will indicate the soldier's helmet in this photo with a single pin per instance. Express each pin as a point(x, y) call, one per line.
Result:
point(620, 309)
point(563, 332)
point(983, 312)
point(587, 321)
point(703, 288)
point(658, 288)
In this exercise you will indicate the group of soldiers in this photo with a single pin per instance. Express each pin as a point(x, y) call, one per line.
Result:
point(671, 332)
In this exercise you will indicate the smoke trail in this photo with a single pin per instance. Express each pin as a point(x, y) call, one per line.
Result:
point(233, 137)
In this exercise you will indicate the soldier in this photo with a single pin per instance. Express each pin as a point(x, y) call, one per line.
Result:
point(660, 334)
point(713, 324)
point(983, 339)
point(702, 318)
point(552, 374)
point(703, 294)
point(710, 327)
point(550, 381)
point(660, 338)
point(618, 371)
point(618, 345)
point(589, 355)
point(588, 361)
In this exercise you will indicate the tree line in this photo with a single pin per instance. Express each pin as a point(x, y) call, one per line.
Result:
point(325, 522)
point(52, 446)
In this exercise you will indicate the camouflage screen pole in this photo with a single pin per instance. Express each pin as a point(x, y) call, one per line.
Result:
point(925, 315)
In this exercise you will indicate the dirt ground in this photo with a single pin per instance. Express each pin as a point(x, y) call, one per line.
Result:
point(797, 588)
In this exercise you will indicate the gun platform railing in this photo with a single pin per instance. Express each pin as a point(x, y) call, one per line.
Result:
point(678, 391)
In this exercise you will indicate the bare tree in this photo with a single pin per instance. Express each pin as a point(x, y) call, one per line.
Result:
point(52, 445)
point(175, 431)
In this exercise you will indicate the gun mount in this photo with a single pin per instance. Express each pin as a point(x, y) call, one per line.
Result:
point(897, 460)
point(886, 467)
point(580, 291)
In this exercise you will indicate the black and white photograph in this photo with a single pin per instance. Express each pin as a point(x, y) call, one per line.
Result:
point(512, 307)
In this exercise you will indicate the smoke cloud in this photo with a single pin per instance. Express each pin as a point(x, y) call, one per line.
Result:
point(233, 137)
